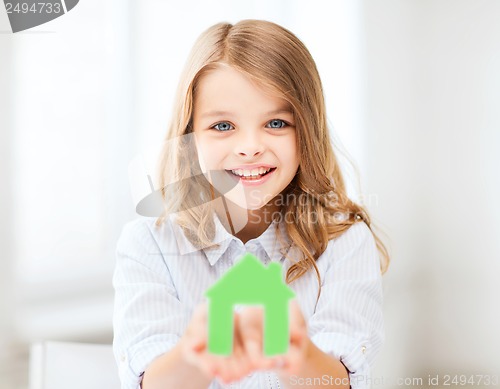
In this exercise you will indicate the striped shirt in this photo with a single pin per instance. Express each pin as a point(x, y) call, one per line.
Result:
point(159, 278)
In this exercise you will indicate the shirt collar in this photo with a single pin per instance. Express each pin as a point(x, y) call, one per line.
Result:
point(268, 240)
point(222, 237)
point(274, 247)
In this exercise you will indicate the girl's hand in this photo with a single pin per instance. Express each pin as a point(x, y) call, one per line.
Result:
point(299, 346)
point(194, 348)
point(250, 329)
point(251, 323)
point(248, 339)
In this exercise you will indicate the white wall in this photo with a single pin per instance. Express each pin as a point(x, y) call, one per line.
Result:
point(432, 133)
point(64, 191)
point(6, 200)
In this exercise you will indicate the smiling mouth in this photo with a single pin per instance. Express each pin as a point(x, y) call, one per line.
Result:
point(250, 177)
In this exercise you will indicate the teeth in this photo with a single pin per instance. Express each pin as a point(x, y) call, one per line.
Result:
point(253, 172)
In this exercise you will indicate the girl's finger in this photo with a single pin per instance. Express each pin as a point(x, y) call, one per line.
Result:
point(239, 351)
point(250, 330)
point(252, 349)
point(203, 362)
point(243, 333)
point(191, 350)
point(293, 361)
point(232, 370)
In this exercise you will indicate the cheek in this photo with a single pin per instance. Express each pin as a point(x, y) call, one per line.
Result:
point(289, 154)
point(205, 153)
point(208, 154)
point(200, 150)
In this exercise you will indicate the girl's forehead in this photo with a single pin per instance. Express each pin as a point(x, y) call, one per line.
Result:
point(225, 83)
point(224, 71)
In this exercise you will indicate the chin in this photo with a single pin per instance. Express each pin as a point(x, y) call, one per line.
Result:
point(249, 204)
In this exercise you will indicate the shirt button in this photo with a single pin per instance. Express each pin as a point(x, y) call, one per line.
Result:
point(363, 349)
point(123, 358)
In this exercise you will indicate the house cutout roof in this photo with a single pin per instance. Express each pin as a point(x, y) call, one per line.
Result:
point(249, 282)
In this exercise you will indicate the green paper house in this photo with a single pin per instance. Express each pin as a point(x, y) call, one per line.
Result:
point(249, 282)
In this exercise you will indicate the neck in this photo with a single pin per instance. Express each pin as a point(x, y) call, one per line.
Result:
point(243, 223)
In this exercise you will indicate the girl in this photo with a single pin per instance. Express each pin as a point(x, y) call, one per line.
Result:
point(248, 166)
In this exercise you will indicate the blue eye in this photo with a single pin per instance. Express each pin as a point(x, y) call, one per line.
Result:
point(223, 126)
point(277, 123)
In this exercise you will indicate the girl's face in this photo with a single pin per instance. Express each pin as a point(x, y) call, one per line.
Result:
point(240, 130)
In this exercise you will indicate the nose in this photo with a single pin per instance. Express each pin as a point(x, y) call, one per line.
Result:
point(249, 143)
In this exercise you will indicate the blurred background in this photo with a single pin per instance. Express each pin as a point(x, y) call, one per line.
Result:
point(413, 96)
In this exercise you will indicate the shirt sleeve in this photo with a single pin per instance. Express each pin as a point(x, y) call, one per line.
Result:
point(348, 321)
point(148, 318)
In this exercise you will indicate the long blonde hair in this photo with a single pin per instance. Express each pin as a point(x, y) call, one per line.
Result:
point(273, 57)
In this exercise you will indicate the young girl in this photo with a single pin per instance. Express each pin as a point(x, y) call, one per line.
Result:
point(248, 166)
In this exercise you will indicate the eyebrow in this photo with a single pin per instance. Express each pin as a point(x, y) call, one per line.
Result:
point(227, 113)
